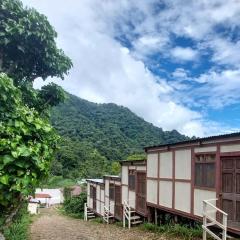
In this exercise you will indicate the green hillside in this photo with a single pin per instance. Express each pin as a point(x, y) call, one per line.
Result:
point(99, 133)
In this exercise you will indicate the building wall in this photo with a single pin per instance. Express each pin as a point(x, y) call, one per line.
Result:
point(230, 148)
point(183, 160)
point(165, 194)
point(199, 196)
point(125, 175)
point(152, 165)
point(183, 196)
point(152, 191)
point(166, 165)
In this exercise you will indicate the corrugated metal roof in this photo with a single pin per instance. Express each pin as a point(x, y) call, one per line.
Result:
point(204, 139)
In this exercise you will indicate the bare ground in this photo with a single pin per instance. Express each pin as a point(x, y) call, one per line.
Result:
point(51, 225)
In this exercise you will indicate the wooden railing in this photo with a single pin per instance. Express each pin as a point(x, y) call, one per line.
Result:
point(209, 220)
point(85, 212)
point(107, 213)
point(127, 212)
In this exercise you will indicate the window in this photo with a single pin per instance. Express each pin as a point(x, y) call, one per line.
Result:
point(205, 170)
point(111, 191)
point(131, 179)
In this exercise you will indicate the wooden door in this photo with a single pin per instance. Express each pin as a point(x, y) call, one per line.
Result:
point(94, 198)
point(118, 203)
point(141, 192)
point(231, 189)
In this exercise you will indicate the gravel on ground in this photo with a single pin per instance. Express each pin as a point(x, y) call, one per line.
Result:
point(51, 225)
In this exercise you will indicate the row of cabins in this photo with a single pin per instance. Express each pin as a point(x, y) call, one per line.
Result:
point(175, 178)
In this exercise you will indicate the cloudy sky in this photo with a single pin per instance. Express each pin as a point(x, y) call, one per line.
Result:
point(175, 63)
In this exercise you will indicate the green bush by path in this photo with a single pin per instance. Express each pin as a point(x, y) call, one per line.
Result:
point(174, 230)
point(19, 229)
point(74, 206)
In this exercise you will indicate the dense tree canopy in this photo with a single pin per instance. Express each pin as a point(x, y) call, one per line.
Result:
point(27, 44)
point(94, 132)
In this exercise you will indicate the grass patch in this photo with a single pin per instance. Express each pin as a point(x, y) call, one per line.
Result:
point(174, 230)
point(19, 229)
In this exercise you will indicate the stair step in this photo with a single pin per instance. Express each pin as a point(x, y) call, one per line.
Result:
point(91, 213)
point(135, 217)
point(136, 222)
point(91, 216)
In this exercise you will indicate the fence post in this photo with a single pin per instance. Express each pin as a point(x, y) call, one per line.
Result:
point(204, 220)
point(124, 220)
point(225, 227)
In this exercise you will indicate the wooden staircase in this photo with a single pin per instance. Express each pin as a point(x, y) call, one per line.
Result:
point(88, 213)
point(130, 215)
point(107, 215)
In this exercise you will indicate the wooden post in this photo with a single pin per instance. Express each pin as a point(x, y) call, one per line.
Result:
point(129, 217)
point(204, 220)
point(155, 212)
point(124, 220)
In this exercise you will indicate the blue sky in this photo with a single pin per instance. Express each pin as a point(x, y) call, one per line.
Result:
point(175, 63)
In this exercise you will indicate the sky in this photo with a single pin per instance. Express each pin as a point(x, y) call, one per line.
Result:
point(175, 63)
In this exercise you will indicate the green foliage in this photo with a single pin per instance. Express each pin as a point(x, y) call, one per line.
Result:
point(75, 205)
point(57, 182)
point(27, 44)
point(95, 135)
point(19, 228)
point(137, 156)
point(78, 159)
point(174, 230)
point(27, 144)
point(115, 168)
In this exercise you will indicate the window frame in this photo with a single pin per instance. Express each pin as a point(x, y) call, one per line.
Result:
point(132, 174)
point(204, 170)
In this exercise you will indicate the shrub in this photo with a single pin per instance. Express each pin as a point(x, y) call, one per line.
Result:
point(175, 230)
point(18, 230)
point(75, 205)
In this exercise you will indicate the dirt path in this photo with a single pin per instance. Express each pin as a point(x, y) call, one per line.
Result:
point(53, 226)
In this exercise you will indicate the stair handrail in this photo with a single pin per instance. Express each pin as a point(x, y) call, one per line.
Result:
point(127, 213)
point(107, 212)
point(85, 212)
point(210, 221)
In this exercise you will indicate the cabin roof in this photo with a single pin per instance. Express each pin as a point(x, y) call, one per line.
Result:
point(133, 162)
point(113, 177)
point(98, 180)
point(198, 141)
point(42, 195)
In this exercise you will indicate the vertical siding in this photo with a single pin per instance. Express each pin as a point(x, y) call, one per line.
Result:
point(165, 193)
point(199, 196)
point(183, 196)
point(152, 191)
point(166, 165)
point(132, 199)
point(183, 164)
point(152, 165)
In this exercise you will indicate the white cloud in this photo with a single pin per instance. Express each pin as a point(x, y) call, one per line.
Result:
point(105, 71)
point(185, 54)
point(220, 88)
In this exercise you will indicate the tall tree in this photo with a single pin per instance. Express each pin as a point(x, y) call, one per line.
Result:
point(28, 51)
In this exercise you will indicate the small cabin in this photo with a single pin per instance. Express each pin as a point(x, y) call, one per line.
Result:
point(178, 179)
point(96, 195)
point(181, 176)
point(113, 195)
point(134, 185)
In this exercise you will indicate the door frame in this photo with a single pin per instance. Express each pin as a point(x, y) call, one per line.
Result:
point(221, 195)
point(136, 192)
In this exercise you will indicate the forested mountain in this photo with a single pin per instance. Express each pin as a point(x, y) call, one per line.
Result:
point(97, 133)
